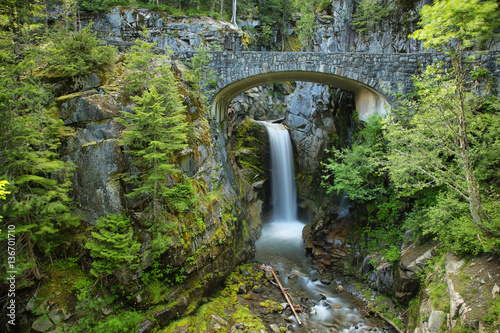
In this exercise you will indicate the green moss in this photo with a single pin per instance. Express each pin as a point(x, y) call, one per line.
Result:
point(438, 293)
point(157, 291)
point(225, 309)
point(271, 306)
point(65, 278)
point(413, 313)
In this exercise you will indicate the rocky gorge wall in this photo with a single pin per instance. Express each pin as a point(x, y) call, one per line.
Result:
point(205, 243)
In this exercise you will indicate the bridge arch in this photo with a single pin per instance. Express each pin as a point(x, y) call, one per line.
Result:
point(368, 100)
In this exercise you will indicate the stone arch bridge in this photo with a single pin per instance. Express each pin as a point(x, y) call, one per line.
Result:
point(373, 78)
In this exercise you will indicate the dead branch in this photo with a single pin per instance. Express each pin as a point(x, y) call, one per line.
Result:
point(286, 297)
point(388, 321)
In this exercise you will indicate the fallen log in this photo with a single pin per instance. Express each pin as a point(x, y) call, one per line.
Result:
point(286, 297)
point(388, 321)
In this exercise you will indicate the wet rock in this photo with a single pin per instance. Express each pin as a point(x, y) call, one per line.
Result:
point(42, 324)
point(96, 183)
point(147, 326)
point(405, 286)
point(366, 266)
point(384, 277)
point(90, 108)
point(217, 319)
point(495, 290)
point(242, 290)
point(275, 328)
point(56, 316)
point(30, 306)
point(325, 281)
point(76, 84)
point(258, 290)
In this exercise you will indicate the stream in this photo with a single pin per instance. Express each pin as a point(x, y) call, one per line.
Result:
point(281, 247)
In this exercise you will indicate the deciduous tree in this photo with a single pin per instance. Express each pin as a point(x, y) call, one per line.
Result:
point(430, 137)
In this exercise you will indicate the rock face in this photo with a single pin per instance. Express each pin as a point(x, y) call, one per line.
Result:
point(336, 34)
point(248, 152)
point(122, 27)
point(318, 117)
point(204, 252)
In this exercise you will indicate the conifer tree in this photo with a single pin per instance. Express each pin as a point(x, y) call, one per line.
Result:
point(155, 131)
point(198, 75)
point(140, 66)
point(112, 246)
point(38, 203)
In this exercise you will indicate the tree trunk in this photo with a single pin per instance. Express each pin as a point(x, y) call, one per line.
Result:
point(221, 8)
point(155, 196)
point(478, 214)
point(233, 17)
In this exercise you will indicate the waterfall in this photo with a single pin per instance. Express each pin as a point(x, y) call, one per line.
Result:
point(280, 246)
point(283, 190)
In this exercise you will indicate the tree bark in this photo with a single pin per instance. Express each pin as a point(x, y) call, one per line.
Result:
point(233, 17)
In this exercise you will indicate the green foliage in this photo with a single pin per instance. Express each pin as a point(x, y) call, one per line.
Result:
point(432, 138)
point(182, 196)
point(38, 182)
point(369, 13)
point(141, 65)
point(438, 293)
point(305, 31)
point(124, 321)
point(113, 246)
point(225, 304)
point(455, 25)
point(305, 28)
point(198, 76)
point(493, 315)
point(386, 238)
point(392, 254)
point(101, 5)
point(447, 219)
point(73, 54)
point(3, 192)
point(155, 132)
point(358, 171)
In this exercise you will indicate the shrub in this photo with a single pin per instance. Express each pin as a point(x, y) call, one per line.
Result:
point(113, 246)
point(369, 14)
point(74, 54)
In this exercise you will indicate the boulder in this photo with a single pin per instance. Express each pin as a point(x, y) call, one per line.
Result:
point(436, 320)
point(384, 277)
point(405, 286)
point(42, 324)
point(90, 108)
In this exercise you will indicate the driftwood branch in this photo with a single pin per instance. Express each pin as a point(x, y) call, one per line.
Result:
point(286, 297)
point(292, 306)
point(388, 321)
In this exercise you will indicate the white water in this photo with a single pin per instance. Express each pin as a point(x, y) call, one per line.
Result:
point(282, 174)
point(281, 246)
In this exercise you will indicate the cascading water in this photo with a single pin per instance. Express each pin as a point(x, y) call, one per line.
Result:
point(281, 246)
point(282, 174)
